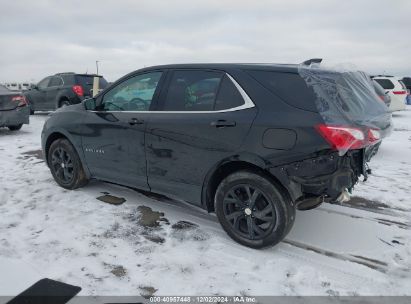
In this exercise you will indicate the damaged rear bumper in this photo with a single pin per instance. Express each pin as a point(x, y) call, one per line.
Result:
point(14, 117)
point(324, 177)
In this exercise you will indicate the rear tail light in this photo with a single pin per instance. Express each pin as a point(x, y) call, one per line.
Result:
point(21, 100)
point(382, 97)
point(374, 136)
point(400, 92)
point(348, 138)
point(78, 89)
point(341, 137)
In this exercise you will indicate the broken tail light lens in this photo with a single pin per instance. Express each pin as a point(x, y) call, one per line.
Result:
point(342, 137)
point(374, 136)
point(78, 89)
point(348, 138)
point(21, 100)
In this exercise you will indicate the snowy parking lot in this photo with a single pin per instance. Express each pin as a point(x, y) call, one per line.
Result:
point(154, 245)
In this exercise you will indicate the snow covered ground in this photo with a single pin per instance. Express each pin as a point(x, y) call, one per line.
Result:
point(153, 245)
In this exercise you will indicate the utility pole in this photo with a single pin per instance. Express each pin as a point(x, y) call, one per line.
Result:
point(96, 82)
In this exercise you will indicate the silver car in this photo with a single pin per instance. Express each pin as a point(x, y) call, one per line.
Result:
point(14, 110)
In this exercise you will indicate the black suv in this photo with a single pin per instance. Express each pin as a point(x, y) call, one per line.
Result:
point(61, 90)
point(252, 143)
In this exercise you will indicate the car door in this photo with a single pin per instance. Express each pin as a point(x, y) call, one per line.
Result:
point(113, 135)
point(53, 89)
point(38, 95)
point(203, 117)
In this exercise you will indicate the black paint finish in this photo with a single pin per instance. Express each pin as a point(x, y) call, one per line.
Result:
point(186, 154)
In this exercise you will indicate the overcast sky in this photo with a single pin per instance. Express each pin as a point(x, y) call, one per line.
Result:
point(43, 37)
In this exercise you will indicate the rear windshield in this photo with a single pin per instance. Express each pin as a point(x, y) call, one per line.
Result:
point(290, 87)
point(385, 83)
point(87, 81)
point(345, 97)
point(378, 88)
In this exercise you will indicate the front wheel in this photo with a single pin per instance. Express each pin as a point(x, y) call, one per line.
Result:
point(15, 128)
point(253, 210)
point(65, 165)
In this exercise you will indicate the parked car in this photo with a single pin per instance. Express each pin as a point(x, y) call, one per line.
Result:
point(382, 94)
point(14, 86)
point(395, 89)
point(249, 142)
point(407, 83)
point(24, 86)
point(61, 90)
point(14, 111)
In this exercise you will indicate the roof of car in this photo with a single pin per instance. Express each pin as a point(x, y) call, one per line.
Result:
point(79, 74)
point(270, 66)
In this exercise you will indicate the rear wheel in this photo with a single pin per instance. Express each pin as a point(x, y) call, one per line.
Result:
point(253, 210)
point(15, 128)
point(64, 103)
point(65, 165)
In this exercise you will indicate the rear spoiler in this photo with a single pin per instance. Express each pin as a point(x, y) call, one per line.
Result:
point(313, 61)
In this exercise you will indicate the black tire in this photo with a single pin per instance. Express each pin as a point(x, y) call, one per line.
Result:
point(15, 128)
point(65, 165)
point(64, 103)
point(265, 207)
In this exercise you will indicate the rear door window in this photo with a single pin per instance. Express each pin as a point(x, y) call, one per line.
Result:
point(385, 83)
point(192, 91)
point(56, 81)
point(228, 96)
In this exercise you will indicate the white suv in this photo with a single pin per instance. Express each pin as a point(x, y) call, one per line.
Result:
point(396, 90)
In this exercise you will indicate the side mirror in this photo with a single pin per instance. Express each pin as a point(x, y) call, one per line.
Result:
point(90, 104)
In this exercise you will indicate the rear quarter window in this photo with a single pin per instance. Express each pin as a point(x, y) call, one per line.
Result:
point(68, 79)
point(290, 87)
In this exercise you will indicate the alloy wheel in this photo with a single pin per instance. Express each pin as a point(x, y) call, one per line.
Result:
point(249, 212)
point(62, 165)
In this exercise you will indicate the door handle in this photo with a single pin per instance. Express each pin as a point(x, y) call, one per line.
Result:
point(223, 123)
point(135, 121)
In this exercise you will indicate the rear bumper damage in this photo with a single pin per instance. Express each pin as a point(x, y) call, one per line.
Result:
point(14, 117)
point(325, 177)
